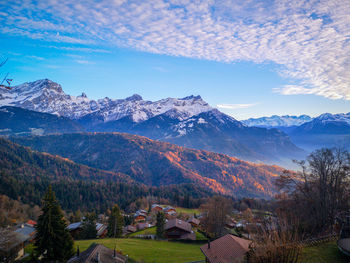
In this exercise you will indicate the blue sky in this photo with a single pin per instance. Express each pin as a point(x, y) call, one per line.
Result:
point(254, 59)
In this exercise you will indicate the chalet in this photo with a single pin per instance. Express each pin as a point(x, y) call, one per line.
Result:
point(169, 209)
point(129, 229)
point(144, 225)
point(194, 222)
point(156, 208)
point(178, 229)
point(14, 247)
point(27, 230)
point(75, 229)
point(226, 249)
point(97, 254)
point(140, 215)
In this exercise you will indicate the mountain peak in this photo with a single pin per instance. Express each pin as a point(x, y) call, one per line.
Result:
point(135, 97)
point(198, 97)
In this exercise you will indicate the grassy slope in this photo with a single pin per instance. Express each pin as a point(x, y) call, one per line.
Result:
point(150, 251)
point(324, 253)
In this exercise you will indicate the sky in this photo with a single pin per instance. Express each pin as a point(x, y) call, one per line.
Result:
point(248, 58)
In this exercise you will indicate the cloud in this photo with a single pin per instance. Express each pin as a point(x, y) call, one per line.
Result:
point(84, 62)
point(309, 39)
point(235, 106)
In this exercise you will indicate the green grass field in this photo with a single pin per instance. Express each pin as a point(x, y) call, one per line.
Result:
point(147, 231)
point(324, 253)
point(150, 251)
point(189, 211)
point(152, 231)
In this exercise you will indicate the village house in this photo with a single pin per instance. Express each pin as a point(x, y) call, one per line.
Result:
point(140, 215)
point(129, 229)
point(27, 229)
point(178, 229)
point(97, 253)
point(143, 225)
point(14, 247)
point(75, 229)
point(226, 249)
point(194, 222)
point(156, 208)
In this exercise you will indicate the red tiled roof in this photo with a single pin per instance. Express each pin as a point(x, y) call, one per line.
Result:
point(31, 222)
point(226, 249)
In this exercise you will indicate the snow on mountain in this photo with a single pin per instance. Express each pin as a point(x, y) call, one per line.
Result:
point(328, 117)
point(48, 96)
point(277, 121)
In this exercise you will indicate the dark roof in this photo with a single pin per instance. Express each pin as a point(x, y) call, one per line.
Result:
point(15, 240)
point(91, 254)
point(179, 224)
point(226, 249)
point(26, 230)
point(194, 221)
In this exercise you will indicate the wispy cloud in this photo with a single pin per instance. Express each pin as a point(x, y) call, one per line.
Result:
point(309, 39)
point(84, 62)
point(235, 106)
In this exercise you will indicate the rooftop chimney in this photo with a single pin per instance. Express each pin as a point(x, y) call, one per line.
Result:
point(208, 243)
point(78, 251)
point(98, 257)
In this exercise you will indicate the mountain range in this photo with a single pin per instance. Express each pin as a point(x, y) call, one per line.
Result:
point(326, 130)
point(188, 121)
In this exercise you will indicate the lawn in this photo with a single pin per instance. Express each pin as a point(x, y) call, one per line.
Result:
point(324, 253)
point(189, 211)
point(147, 231)
point(150, 251)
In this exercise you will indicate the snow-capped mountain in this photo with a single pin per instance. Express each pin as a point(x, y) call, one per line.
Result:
point(328, 117)
point(277, 121)
point(189, 121)
point(48, 96)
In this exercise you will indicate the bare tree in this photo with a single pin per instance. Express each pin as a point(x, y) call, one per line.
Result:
point(319, 191)
point(216, 212)
point(277, 241)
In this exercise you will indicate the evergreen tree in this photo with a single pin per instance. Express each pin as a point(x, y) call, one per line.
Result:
point(89, 227)
point(115, 223)
point(53, 240)
point(160, 224)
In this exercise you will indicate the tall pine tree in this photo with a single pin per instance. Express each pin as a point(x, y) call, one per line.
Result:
point(115, 223)
point(160, 224)
point(53, 241)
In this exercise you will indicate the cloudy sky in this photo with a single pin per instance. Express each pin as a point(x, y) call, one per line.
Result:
point(248, 58)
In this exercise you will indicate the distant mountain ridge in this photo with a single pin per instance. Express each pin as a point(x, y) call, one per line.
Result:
point(326, 130)
point(277, 121)
point(158, 163)
point(189, 121)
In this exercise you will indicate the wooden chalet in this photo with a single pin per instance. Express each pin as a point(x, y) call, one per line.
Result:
point(156, 208)
point(178, 229)
point(226, 249)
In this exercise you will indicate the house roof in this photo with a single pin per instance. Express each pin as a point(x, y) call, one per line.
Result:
point(226, 249)
point(179, 224)
point(31, 222)
point(96, 250)
point(15, 240)
point(169, 208)
point(25, 230)
point(130, 228)
point(194, 221)
point(99, 227)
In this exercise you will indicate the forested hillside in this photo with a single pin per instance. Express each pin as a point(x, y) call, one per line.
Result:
point(26, 174)
point(158, 163)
